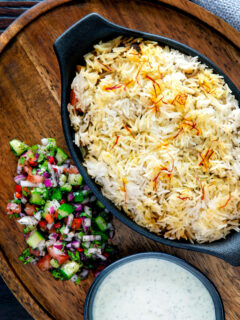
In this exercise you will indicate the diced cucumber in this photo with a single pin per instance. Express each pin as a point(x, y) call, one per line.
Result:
point(61, 156)
point(69, 268)
point(99, 204)
point(48, 205)
point(61, 230)
point(54, 263)
point(62, 179)
point(65, 209)
point(56, 194)
point(78, 196)
point(44, 166)
point(101, 223)
point(18, 147)
point(104, 236)
point(36, 198)
point(44, 192)
point(34, 239)
point(66, 187)
point(49, 143)
point(35, 148)
point(41, 157)
point(75, 179)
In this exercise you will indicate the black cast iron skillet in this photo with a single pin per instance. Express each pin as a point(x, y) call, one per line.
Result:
point(70, 48)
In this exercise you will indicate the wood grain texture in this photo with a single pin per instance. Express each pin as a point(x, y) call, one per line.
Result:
point(19, 290)
point(30, 110)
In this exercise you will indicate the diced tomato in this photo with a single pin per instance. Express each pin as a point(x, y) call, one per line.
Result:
point(51, 160)
point(18, 188)
point(44, 263)
point(57, 225)
point(33, 162)
point(106, 254)
point(26, 190)
point(18, 195)
point(63, 201)
point(61, 257)
point(49, 218)
point(35, 252)
point(27, 169)
point(13, 207)
point(76, 224)
point(42, 224)
point(35, 178)
point(55, 214)
point(71, 170)
point(80, 249)
point(55, 169)
point(29, 209)
point(73, 99)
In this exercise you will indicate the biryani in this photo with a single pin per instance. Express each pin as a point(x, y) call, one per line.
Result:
point(160, 134)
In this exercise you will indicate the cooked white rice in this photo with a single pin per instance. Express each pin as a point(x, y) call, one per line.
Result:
point(161, 132)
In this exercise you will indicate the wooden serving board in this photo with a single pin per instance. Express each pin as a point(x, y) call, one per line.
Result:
point(30, 110)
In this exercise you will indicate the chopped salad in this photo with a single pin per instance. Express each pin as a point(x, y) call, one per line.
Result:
point(67, 229)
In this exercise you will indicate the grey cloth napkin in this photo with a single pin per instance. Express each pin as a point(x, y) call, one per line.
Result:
point(228, 10)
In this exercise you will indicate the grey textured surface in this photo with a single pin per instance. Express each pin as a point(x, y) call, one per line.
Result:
point(228, 10)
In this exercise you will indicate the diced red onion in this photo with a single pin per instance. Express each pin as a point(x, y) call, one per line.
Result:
point(102, 257)
point(95, 250)
point(19, 169)
point(46, 175)
point(87, 244)
point(36, 155)
point(69, 246)
point(84, 273)
point(38, 215)
point(76, 244)
point(30, 184)
point(74, 278)
point(34, 261)
point(49, 225)
point(69, 237)
point(70, 197)
point(24, 200)
point(28, 221)
point(87, 222)
point(47, 183)
point(88, 211)
point(53, 236)
point(86, 188)
point(19, 178)
point(91, 237)
point(66, 230)
point(78, 207)
point(22, 214)
point(41, 245)
point(51, 210)
point(57, 247)
point(44, 141)
point(52, 172)
point(70, 220)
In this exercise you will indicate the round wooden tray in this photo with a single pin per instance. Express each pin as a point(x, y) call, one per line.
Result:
point(30, 110)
